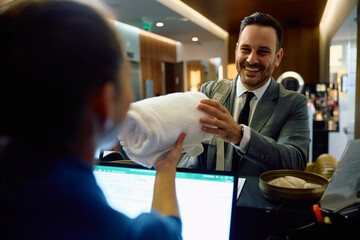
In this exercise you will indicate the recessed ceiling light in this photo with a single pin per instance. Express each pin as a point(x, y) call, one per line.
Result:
point(159, 24)
point(195, 39)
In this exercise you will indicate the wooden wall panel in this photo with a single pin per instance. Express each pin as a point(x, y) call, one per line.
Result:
point(233, 38)
point(301, 53)
point(151, 69)
point(195, 66)
point(153, 52)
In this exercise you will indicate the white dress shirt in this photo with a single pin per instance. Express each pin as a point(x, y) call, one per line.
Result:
point(238, 104)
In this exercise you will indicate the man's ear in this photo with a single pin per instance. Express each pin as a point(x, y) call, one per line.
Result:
point(279, 57)
point(103, 102)
point(236, 48)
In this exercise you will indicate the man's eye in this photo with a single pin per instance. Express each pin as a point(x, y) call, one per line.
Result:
point(264, 52)
point(245, 49)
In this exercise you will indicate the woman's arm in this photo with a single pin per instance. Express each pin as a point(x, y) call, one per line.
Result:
point(164, 198)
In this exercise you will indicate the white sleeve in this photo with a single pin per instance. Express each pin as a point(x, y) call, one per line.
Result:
point(244, 143)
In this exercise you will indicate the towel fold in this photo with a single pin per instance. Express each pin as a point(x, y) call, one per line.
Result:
point(153, 125)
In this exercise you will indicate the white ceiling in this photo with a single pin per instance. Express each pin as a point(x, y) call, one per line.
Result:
point(177, 27)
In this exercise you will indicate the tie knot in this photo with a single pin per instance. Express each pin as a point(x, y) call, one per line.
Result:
point(249, 96)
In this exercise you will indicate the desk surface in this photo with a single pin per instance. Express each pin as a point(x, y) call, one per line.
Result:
point(252, 197)
point(258, 218)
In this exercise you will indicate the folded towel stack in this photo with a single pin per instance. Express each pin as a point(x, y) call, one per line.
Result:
point(153, 125)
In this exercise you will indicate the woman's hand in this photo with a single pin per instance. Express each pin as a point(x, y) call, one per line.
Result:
point(170, 161)
point(164, 198)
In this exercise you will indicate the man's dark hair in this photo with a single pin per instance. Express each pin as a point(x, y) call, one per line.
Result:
point(263, 19)
point(54, 54)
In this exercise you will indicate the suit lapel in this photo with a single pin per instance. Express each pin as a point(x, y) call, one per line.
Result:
point(265, 106)
point(230, 102)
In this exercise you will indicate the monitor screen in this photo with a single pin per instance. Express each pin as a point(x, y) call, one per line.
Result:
point(205, 199)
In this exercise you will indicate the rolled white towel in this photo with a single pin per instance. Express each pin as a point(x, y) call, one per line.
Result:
point(153, 125)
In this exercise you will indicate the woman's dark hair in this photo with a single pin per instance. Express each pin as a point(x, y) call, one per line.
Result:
point(263, 19)
point(54, 54)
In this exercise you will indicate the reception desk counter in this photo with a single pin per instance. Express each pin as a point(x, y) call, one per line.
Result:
point(256, 217)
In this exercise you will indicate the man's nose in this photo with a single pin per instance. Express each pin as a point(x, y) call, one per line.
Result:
point(252, 58)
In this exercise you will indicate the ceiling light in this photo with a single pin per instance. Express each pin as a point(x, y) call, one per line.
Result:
point(159, 24)
point(195, 39)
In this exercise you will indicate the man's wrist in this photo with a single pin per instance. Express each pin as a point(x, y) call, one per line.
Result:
point(241, 135)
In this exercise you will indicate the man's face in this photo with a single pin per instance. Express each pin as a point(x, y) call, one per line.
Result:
point(256, 56)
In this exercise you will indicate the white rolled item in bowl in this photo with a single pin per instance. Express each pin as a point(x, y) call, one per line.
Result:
point(153, 125)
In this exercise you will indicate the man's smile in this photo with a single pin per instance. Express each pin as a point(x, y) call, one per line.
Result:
point(252, 69)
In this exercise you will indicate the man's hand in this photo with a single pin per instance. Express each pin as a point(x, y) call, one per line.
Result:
point(221, 122)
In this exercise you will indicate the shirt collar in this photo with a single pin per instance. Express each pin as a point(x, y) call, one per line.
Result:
point(259, 92)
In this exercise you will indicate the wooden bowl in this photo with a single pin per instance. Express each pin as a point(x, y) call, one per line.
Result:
point(282, 193)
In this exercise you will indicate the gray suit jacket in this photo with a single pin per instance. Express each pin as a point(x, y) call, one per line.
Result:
point(279, 131)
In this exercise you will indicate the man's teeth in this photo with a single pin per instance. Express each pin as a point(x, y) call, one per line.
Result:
point(252, 69)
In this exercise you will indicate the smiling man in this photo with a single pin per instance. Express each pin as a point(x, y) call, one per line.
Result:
point(274, 133)
point(257, 55)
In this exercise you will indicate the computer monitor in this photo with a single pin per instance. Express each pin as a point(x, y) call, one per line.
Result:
point(206, 199)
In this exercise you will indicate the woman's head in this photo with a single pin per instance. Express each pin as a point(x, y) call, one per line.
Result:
point(56, 55)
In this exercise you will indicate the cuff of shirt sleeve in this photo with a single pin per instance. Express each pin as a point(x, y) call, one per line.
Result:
point(242, 146)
